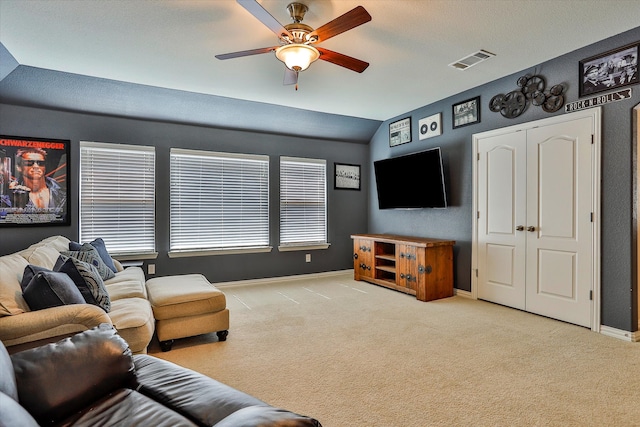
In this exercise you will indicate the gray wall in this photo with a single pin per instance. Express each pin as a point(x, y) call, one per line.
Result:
point(347, 209)
point(455, 222)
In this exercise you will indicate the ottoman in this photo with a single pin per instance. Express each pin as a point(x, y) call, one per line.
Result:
point(185, 306)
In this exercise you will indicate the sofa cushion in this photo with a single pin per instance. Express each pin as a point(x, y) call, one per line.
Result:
point(86, 279)
point(128, 283)
point(13, 414)
point(11, 270)
point(133, 319)
point(90, 255)
point(266, 416)
point(50, 289)
point(100, 246)
point(7, 377)
point(127, 407)
point(45, 253)
point(47, 377)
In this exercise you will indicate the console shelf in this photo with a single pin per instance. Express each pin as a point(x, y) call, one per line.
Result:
point(414, 265)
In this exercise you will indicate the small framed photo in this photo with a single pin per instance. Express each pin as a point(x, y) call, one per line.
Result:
point(400, 132)
point(609, 70)
point(347, 177)
point(466, 112)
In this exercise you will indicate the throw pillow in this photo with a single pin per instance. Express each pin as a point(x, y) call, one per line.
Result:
point(87, 279)
point(102, 251)
point(30, 271)
point(90, 255)
point(51, 289)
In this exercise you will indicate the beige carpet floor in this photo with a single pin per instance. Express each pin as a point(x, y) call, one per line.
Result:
point(355, 354)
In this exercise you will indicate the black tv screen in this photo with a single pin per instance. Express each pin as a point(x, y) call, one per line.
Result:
point(411, 181)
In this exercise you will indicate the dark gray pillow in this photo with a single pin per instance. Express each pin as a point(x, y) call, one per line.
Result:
point(29, 272)
point(102, 251)
point(87, 279)
point(51, 289)
point(90, 255)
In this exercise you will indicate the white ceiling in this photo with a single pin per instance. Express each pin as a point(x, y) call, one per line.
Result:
point(409, 44)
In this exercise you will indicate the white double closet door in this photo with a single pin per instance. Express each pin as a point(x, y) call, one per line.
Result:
point(534, 233)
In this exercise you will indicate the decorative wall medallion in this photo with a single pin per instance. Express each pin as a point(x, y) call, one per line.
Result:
point(532, 91)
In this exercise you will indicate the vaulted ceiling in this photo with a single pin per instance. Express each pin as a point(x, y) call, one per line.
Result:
point(135, 57)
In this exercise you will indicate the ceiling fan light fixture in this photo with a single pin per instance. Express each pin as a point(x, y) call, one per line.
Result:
point(296, 56)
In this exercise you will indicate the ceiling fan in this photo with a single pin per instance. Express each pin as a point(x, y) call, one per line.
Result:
point(298, 41)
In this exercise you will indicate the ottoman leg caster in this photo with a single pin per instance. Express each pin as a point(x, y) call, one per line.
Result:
point(166, 345)
point(222, 335)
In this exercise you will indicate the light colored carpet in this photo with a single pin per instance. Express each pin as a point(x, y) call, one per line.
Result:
point(355, 354)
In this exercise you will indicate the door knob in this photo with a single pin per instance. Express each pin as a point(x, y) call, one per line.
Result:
point(520, 228)
point(531, 228)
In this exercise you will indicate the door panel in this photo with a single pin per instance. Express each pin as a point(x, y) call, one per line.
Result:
point(559, 199)
point(501, 208)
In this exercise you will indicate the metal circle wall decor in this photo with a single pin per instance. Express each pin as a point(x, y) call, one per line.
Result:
point(531, 91)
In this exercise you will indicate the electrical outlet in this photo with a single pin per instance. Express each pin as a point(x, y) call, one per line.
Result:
point(307, 258)
point(151, 269)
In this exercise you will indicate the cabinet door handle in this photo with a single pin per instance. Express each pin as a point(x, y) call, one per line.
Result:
point(355, 256)
point(520, 228)
point(531, 228)
point(402, 275)
point(401, 254)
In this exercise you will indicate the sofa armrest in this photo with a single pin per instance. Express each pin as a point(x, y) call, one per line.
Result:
point(57, 380)
point(50, 322)
point(207, 401)
point(200, 398)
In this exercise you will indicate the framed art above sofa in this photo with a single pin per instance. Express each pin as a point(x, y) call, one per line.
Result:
point(34, 181)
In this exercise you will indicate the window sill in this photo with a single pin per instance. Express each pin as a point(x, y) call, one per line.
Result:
point(223, 251)
point(312, 247)
point(134, 257)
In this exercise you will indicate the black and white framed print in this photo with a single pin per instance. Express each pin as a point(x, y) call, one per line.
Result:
point(609, 70)
point(347, 177)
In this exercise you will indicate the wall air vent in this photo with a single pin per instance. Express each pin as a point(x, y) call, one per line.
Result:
point(471, 60)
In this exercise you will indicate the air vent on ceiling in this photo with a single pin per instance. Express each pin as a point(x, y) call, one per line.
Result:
point(471, 60)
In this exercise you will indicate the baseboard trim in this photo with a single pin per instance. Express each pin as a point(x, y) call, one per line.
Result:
point(462, 293)
point(281, 279)
point(620, 334)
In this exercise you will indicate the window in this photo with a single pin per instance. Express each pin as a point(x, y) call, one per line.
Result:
point(117, 197)
point(303, 203)
point(219, 202)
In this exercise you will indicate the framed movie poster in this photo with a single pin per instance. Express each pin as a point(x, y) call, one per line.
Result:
point(347, 177)
point(34, 181)
point(610, 70)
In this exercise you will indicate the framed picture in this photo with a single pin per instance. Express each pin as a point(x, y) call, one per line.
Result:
point(466, 112)
point(400, 132)
point(609, 70)
point(347, 177)
point(34, 181)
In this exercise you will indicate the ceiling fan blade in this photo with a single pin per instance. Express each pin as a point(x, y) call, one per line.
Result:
point(254, 8)
point(290, 77)
point(349, 20)
point(342, 60)
point(246, 53)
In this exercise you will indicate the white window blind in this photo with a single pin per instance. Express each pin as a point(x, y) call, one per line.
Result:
point(303, 202)
point(117, 196)
point(218, 200)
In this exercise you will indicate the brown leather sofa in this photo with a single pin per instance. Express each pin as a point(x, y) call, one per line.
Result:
point(92, 378)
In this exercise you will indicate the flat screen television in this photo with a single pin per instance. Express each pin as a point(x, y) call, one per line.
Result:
point(411, 181)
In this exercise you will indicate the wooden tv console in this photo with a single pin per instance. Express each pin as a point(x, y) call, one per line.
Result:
point(414, 265)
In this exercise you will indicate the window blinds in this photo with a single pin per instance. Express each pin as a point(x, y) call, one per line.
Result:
point(218, 200)
point(117, 196)
point(303, 203)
